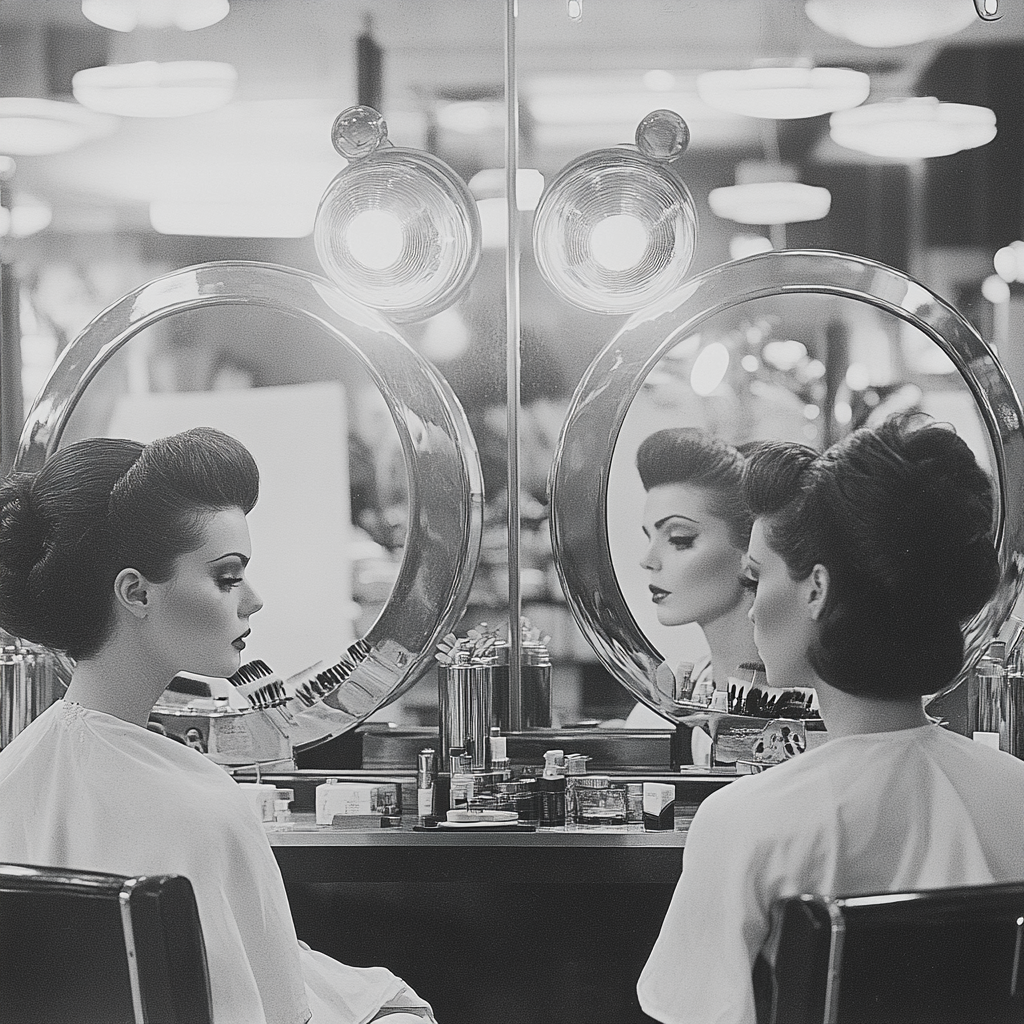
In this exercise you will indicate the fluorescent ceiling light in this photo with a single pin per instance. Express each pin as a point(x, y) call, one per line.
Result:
point(890, 22)
point(152, 89)
point(784, 93)
point(913, 129)
point(125, 15)
point(232, 220)
point(490, 184)
point(34, 127)
point(770, 202)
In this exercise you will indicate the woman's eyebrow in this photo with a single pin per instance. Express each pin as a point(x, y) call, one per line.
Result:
point(675, 515)
point(244, 559)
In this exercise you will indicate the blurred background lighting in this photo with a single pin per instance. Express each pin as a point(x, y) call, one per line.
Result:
point(232, 220)
point(770, 202)
point(748, 245)
point(153, 89)
point(709, 368)
point(913, 129)
point(995, 289)
point(858, 377)
point(784, 92)
point(375, 239)
point(39, 127)
point(660, 81)
point(890, 22)
point(26, 217)
point(126, 15)
point(490, 184)
point(1008, 262)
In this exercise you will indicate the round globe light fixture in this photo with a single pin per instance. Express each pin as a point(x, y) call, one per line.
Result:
point(397, 229)
point(126, 15)
point(784, 93)
point(156, 89)
point(617, 228)
point(913, 129)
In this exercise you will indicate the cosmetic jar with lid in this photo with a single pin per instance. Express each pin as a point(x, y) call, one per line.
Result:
point(594, 801)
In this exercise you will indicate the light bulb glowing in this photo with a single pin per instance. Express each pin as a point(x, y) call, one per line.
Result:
point(375, 239)
point(709, 369)
point(995, 289)
point(618, 242)
point(574, 8)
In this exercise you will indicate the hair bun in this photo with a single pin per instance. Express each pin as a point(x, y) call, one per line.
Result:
point(25, 535)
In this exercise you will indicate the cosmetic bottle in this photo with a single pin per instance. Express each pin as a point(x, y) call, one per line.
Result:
point(426, 769)
point(535, 677)
point(552, 790)
point(501, 767)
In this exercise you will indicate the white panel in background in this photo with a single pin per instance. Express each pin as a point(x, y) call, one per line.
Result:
point(300, 527)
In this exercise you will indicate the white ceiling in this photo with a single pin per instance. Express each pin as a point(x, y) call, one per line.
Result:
point(296, 67)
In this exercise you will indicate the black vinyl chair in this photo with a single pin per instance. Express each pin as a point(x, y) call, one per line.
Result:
point(79, 947)
point(944, 956)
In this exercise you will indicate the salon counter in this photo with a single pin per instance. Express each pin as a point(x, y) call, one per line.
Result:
point(513, 927)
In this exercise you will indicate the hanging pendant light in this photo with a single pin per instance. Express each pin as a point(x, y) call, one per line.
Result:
point(126, 15)
point(155, 89)
point(890, 22)
point(784, 93)
point(913, 129)
point(768, 193)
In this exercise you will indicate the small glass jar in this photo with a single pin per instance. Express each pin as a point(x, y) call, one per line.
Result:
point(594, 801)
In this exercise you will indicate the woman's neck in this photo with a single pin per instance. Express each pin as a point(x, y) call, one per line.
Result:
point(117, 684)
point(730, 639)
point(847, 714)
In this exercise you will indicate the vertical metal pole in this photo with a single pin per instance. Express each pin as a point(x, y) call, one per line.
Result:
point(12, 402)
point(512, 357)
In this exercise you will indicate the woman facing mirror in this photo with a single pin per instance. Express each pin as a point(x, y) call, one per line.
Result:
point(133, 560)
point(867, 560)
point(697, 526)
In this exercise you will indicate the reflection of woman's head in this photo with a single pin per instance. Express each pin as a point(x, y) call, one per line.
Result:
point(100, 506)
point(697, 524)
point(893, 527)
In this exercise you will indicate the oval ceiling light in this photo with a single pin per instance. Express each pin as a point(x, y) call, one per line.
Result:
point(156, 89)
point(126, 15)
point(617, 228)
point(27, 216)
point(890, 22)
point(913, 129)
point(397, 229)
point(37, 127)
point(784, 93)
point(768, 193)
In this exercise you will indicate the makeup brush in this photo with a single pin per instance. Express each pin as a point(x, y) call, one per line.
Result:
point(260, 685)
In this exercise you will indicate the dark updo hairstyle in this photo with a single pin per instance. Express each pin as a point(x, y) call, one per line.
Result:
point(99, 506)
point(901, 516)
point(686, 455)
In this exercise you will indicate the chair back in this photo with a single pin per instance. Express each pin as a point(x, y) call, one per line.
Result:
point(943, 956)
point(80, 947)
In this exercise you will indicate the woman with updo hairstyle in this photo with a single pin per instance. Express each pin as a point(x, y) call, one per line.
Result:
point(132, 560)
point(866, 561)
point(697, 525)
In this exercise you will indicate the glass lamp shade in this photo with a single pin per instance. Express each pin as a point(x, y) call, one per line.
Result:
point(155, 89)
point(913, 129)
point(886, 23)
point(615, 231)
point(37, 127)
point(784, 93)
point(400, 232)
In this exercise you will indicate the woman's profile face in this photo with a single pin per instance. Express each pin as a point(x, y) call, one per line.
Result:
point(693, 567)
point(783, 625)
point(201, 614)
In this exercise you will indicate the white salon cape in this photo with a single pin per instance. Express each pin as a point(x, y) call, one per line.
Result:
point(84, 790)
point(920, 808)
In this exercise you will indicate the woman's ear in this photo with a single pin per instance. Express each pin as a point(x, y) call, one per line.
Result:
point(132, 591)
point(817, 592)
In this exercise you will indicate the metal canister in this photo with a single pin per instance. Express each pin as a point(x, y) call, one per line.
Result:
point(29, 684)
point(536, 685)
point(464, 708)
point(501, 711)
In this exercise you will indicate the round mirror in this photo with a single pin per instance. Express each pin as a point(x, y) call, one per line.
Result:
point(201, 333)
point(804, 346)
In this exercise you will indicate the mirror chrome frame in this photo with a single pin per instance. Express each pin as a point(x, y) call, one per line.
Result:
point(445, 480)
point(582, 463)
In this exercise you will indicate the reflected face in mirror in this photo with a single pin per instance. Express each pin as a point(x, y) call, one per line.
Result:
point(784, 625)
point(201, 613)
point(692, 564)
